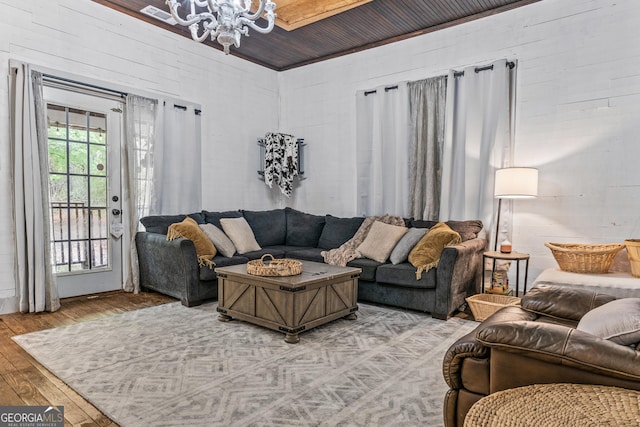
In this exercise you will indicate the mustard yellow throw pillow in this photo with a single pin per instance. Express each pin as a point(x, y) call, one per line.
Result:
point(189, 229)
point(426, 254)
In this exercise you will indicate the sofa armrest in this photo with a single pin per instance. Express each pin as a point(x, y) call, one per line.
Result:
point(562, 302)
point(560, 345)
point(168, 266)
point(458, 275)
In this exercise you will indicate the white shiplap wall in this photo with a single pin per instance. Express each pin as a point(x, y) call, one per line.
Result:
point(239, 100)
point(578, 114)
point(577, 109)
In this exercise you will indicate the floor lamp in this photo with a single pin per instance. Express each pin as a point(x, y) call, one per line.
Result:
point(514, 183)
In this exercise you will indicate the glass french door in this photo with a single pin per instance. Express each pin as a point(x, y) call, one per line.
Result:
point(84, 141)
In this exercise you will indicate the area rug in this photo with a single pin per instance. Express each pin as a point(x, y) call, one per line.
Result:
point(175, 366)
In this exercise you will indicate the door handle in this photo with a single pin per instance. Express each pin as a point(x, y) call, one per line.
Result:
point(116, 212)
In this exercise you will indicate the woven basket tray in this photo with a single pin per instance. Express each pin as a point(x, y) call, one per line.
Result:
point(484, 305)
point(580, 258)
point(274, 267)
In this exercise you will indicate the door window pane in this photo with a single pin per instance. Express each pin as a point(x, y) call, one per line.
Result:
point(78, 158)
point(57, 156)
point(98, 223)
point(99, 253)
point(98, 191)
point(78, 221)
point(98, 160)
point(79, 189)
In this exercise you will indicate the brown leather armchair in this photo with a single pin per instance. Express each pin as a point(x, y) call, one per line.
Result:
point(534, 343)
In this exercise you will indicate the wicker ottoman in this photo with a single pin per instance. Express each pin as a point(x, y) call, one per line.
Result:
point(562, 405)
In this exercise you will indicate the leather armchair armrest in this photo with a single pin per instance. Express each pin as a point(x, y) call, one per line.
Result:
point(469, 346)
point(561, 345)
point(457, 275)
point(562, 302)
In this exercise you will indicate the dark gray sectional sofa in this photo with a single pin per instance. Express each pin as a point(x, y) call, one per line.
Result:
point(171, 267)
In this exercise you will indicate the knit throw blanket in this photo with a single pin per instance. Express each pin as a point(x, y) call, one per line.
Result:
point(280, 161)
point(348, 250)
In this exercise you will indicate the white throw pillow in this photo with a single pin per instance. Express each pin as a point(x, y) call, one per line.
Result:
point(241, 234)
point(223, 244)
point(617, 321)
point(380, 241)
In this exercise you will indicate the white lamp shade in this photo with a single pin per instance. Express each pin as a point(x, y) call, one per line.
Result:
point(516, 183)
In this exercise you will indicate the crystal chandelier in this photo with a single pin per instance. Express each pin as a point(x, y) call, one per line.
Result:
point(224, 20)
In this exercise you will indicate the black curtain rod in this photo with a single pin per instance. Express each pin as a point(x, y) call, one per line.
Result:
point(386, 89)
point(89, 85)
point(509, 64)
point(196, 111)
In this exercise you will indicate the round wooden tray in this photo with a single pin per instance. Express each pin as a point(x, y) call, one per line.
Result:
point(275, 267)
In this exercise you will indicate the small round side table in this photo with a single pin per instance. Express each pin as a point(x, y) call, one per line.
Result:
point(511, 256)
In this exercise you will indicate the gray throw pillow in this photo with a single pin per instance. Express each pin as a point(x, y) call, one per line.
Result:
point(617, 321)
point(401, 252)
point(223, 244)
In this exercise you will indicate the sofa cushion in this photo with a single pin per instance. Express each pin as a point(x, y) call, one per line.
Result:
point(617, 321)
point(426, 254)
point(189, 229)
point(409, 240)
point(368, 266)
point(380, 241)
point(422, 223)
point(220, 261)
point(214, 217)
point(269, 227)
point(405, 275)
point(303, 229)
point(308, 254)
point(160, 223)
point(273, 251)
point(336, 231)
point(240, 233)
point(223, 244)
point(467, 229)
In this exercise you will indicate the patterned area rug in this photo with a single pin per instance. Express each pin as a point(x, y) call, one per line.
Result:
point(175, 366)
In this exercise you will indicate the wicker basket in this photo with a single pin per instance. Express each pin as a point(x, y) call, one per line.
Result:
point(275, 267)
point(484, 305)
point(579, 258)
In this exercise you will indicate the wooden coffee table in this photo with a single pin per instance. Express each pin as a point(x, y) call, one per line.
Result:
point(290, 304)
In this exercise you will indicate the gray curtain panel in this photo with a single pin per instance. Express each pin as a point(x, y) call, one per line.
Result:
point(427, 105)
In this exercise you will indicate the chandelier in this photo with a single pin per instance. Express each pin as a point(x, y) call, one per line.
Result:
point(224, 20)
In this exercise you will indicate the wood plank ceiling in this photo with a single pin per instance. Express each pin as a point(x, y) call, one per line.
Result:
point(322, 29)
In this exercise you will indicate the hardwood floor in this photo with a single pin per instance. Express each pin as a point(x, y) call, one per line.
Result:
point(23, 381)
